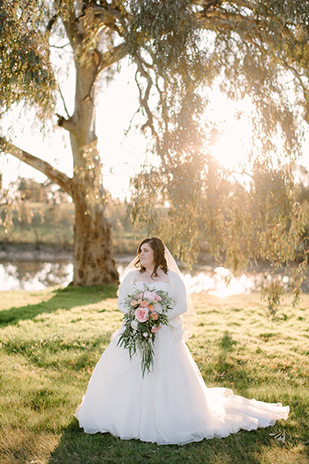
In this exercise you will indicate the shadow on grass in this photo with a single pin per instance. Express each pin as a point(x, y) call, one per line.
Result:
point(230, 370)
point(79, 448)
point(66, 298)
point(227, 343)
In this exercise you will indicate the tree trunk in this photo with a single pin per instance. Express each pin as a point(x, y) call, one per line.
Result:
point(93, 248)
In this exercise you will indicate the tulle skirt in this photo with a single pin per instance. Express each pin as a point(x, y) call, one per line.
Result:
point(170, 405)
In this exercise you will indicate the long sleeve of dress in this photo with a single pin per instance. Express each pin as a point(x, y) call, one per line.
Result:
point(179, 296)
point(124, 291)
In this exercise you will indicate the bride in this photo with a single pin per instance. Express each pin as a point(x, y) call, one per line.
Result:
point(170, 404)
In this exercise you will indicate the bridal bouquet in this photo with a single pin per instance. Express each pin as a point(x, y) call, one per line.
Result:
point(147, 313)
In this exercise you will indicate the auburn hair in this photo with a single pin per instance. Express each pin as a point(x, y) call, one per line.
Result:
point(158, 255)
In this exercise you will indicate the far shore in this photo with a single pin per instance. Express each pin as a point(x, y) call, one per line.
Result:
point(34, 252)
point(49, 253)
point(10, 252)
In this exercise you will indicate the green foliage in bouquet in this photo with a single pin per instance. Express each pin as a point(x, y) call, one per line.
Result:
point(147, 313)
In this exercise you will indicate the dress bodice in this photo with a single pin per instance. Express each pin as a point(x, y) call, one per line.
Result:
point(159, 285)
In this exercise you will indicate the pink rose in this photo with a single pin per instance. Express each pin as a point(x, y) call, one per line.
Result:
point(155, 329)
point(154, 316)
point(141, 314)
point(144, 304)
point(158, 298)
point(134, 303)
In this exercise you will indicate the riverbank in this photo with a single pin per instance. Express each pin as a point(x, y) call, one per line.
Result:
point(48, 253)
point(31, 252)
point(44, 252)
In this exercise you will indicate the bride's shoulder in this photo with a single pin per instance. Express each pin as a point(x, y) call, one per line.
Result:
point(171, 273)
point(174, 276)
point(131, 275)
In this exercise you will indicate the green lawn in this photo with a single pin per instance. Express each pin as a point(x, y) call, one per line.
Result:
point(52, 339)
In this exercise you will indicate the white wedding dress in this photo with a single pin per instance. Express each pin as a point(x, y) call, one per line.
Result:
point(171, 404)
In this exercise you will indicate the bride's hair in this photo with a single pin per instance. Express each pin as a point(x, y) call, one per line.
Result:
point(158, 255)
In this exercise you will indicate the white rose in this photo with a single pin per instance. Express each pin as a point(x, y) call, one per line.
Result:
point(134, 325)
point(151, 296)
point(159, 308)
point(145, 334)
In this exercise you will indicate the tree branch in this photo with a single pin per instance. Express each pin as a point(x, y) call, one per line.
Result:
point(60, 47)
point(144, 98)
point(97, 58)
point(53, 19)
point(102, 61)
point(112, 56)
point(106, 14)
point(65, 123)
point(52, 173)
point(63, 101)
point(210, 4)
point(71, 29)
point(51, 22)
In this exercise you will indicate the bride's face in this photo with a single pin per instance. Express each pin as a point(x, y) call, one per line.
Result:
point(146, 255)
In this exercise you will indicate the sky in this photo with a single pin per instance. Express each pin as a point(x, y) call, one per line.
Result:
point(121, 155)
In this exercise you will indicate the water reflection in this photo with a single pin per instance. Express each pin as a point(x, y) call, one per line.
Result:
point(36, 275)
point(220, 282)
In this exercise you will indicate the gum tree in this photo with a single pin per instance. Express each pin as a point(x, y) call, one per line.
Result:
point(180, 50)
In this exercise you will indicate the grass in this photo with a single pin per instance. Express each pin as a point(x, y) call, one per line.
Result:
point(52, 339)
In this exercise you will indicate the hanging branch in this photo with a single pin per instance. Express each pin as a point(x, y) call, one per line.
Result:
point(64, 104)
point(144, 98)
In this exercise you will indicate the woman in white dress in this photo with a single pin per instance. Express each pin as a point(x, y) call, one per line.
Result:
point(170, 404)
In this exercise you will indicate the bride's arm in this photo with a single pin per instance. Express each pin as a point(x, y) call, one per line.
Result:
point(180, 298)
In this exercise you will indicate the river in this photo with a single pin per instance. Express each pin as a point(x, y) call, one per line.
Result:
point(27, 274)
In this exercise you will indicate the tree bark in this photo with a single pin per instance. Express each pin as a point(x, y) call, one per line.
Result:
point(93, 248)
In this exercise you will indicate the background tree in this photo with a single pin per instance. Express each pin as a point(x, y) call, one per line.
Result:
point(181, 49)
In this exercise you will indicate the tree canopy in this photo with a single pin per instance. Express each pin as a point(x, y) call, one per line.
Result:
point(181, 49)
